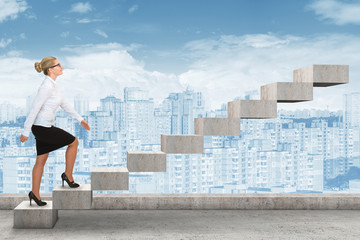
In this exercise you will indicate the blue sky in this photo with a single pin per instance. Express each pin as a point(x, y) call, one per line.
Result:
point(223, 48)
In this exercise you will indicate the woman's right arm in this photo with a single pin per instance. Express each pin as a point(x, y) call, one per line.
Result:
point(43, 94)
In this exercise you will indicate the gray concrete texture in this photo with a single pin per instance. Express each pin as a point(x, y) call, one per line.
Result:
point(252, 109)
point(26, 216)
point(109, 178)
point(146, 161)
point(287, 92)
point(217, 126)
point(72, 198)
point(322, 75)
point(128, 201)
point(191, 224)
point(191, 144)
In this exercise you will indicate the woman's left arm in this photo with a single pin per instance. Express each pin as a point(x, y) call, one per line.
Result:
point(71, 111)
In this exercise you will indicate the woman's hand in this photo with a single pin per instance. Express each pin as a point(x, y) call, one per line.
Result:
point(85, 125)
point(23, 138)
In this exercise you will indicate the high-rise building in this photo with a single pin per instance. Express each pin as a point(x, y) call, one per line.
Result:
point(81, 105)
point(139, 112)
point(184, 108)
point(352, 108)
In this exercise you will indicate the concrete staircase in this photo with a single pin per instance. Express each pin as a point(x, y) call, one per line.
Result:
point(114, 178)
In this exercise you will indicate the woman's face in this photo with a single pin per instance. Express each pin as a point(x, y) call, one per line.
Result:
point(56, 69)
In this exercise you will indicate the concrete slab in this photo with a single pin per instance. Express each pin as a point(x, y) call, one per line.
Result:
point(287, 92)
point(109, 178)
point(190, 144)
point(146, 161)
point(323, 75)
point(252, 109)
point(34, 216)
point(72, 198)
point(217, 126)
point(268, 201)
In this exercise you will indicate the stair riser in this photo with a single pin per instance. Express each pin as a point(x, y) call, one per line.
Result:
point(287, 92)
point(182, 144)
point(323, 75)
point(146, 162)
point(252, 109)
point(217, 126)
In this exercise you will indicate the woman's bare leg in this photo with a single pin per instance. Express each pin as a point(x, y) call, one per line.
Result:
point(70, 156)
point(37, 173)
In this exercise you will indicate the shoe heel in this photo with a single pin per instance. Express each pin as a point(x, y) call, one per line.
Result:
point(30, 201)
point(63, 182)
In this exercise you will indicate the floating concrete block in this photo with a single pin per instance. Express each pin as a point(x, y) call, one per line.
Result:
point(287, 92)
point(72, 198)
point(34, 216)
point(109, 178)
point(252, 109)
point(217, 126)
point(323, 75)
point(146, 161)
point(182, 144)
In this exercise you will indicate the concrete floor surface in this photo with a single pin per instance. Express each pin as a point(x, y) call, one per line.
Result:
point(192, 224)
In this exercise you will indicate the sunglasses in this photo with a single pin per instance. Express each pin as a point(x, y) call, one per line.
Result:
point(56, 65)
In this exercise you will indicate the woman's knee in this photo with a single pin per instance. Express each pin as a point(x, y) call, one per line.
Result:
point(75, 143)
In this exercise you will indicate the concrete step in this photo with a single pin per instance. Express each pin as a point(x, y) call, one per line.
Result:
point(323, 75)
point(190, 144)
point(252, 109)
point(287, 92)
point(217, 126)
point(72, 198)
point(26, 216)
point(146, 161)
point(109, 178)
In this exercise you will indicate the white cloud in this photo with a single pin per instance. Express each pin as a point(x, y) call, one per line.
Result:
point(112, 71)
point(87, 20)
point(227, 67)
point(22, 36)
point(5, 42)
point(97, 48)
point(30, 15)
point(81, 7)
point(94, 71)
point(14, 53)
point(84, 20)
point(133, 9)
point(27, 84)
point(64, 34)
point(222, 68)
point(10, 9)
point(337, 12)
point(101, 33)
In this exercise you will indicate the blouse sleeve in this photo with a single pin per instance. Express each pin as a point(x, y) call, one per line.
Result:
point(43, 94)
point(70, 110)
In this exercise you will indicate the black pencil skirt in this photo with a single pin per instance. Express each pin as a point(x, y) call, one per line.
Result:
point(51, 138)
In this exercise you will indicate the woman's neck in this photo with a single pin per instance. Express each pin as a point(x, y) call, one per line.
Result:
point(52, 76)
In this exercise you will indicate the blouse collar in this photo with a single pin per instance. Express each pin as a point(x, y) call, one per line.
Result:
point(51, 80)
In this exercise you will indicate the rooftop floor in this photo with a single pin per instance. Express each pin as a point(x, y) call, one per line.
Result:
point(192, 224)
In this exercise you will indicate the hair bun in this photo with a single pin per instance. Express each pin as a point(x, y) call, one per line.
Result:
point(38, 67)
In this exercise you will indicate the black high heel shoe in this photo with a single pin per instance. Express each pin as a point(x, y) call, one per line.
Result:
point(71, 184)
point(33, 197)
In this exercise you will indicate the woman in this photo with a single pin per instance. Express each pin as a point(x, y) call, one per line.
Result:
point(40, 121)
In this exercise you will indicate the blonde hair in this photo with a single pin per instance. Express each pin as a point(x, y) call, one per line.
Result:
point(45, 64)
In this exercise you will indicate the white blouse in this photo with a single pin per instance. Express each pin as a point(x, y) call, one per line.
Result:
point(45, 105)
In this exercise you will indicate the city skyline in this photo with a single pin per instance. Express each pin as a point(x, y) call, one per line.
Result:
point(297, 151)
